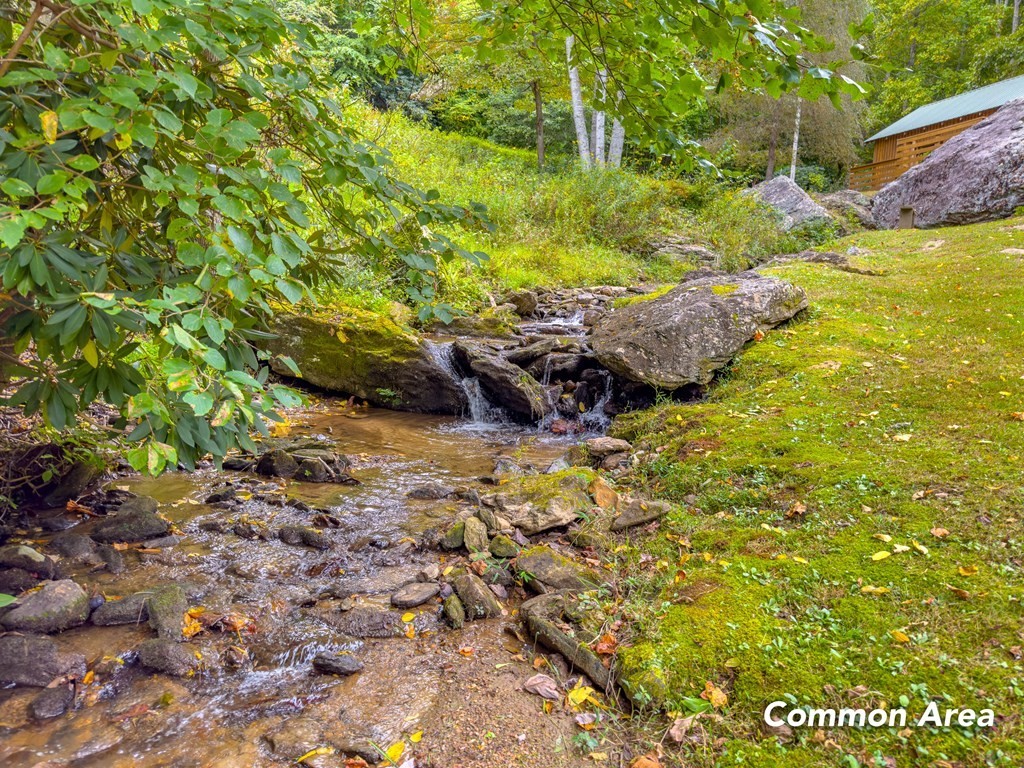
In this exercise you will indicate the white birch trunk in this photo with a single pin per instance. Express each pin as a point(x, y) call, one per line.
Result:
point(617, 142)
point(579, 116)
point(796, 141)
point(599, 144)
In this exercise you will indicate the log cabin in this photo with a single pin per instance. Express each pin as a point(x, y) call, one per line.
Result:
point(911, 139)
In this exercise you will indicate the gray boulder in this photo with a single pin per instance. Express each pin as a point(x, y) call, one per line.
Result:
point(277, 463)
point(36, 661)
point(684, 336)
point(133, 609)
point(475, 535)
point(504, 384)
point(59, 605)
point(340, 663)
point(849, 206)
point(977, 175)
point(532, 519)
point(415, 594)
point(794, 205)
point(166, 608)
point(370, 356)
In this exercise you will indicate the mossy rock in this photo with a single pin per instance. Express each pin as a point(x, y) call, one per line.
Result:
point(356, 352)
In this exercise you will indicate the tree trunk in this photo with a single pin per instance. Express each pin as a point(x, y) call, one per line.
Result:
point(1016, 16)
point(617, 142)
point(538, 109)
point(598, 139)
point(796, 141)
point(579, 116)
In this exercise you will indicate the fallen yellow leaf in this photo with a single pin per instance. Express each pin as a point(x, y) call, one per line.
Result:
point(967, 570)
point(408, 617)
point(715, 695)
point(900, 637)
point(867, 589)
point(881, 555)
point(939, 533)
point(882, 537)
point(416, 737)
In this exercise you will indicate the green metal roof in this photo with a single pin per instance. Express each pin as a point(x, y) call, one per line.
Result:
point(979, 100)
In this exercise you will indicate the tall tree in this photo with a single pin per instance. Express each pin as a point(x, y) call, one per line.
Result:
point(174, 171)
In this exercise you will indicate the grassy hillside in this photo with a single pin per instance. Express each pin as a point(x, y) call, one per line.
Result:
point(852, 514)
point(559, 227)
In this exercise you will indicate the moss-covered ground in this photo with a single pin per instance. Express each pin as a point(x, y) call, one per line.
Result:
point(851, 516)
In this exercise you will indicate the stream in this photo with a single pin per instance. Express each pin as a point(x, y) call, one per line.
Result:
point(267, 703)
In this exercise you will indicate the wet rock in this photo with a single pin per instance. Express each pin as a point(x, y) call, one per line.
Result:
point(546, 571)
point(378, 582)
point(52, 702)
point(368, 622)
point(524, 301)
point(370, 356)
point(794, 205)
point(166, 607)
point(168, 657)
point(76, 546)
point(558, 465)
point(603, 494)
point(344, 664)
point(544, 617)
point(313, 471)
point(222, 495)
point(277, 463)
point(505, 467)
point(478, 601)
point(505, 384)
point(415, 594)
point(640, 512)
point(28, 559)
point(305, 536)
point(14, 581)
point(431, 491)
point(454, 611)
point(113, 559)
point(978, 175)
point(475, 535)
point(59, 605)
point(295, 738)
point(526, 356)
point(36, 661)
point(681, 338)
point(502, 546)
point(132, 609)
point(455, 537)
point(136, 520)
point(532, 519)
point(215, 526)
point(239, 463)
point(600, 447)
point(164, 542)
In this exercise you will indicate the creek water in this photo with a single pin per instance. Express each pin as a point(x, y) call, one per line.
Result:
point(270, 704)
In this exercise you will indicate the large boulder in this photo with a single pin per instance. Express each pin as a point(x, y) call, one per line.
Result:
point(506, 385)
point(370, 356)
point(684, 336)
point(794, 205)
point(977, 175)
point(136, 520)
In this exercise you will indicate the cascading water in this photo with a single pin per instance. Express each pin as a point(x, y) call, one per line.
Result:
point(480, 411)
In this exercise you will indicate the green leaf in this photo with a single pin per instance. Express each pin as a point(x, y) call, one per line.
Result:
point(6, 599)
point(201, 402)
point(84, 163)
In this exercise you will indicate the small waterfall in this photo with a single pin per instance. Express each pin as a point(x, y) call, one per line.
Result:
point(596, 419)
point(481, 411)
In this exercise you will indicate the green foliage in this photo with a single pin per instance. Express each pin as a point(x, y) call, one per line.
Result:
point(930, 50)
point(172, 171)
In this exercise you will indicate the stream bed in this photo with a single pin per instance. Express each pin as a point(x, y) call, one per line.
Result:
point(256, 699)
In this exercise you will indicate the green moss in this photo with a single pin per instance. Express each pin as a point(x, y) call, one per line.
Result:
point(724, 290)
point(887, 410)
point(625, 301)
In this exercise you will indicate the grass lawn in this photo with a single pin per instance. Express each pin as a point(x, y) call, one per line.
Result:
point(851, 515)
